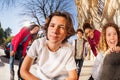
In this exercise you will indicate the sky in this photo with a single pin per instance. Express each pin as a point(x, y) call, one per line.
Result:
point(10, 17)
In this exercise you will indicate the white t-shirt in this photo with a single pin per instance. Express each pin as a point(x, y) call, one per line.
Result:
point(97, 66)
point(50, 65)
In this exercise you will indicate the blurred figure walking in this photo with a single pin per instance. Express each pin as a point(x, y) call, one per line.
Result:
point(19, 45)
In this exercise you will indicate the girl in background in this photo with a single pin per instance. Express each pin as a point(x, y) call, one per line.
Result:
point(19, 45)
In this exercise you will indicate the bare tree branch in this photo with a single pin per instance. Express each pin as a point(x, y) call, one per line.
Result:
point(40, 9)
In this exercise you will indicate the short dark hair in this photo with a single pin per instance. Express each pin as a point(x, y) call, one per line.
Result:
point(79, 30)
point(86, 26)
point(69, 25)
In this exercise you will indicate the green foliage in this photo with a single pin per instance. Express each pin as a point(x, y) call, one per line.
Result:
point(5, 35)
point(7, 32)
point(1, 35)
point(7, 40)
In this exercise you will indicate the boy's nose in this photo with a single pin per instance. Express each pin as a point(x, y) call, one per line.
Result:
point(55, 29)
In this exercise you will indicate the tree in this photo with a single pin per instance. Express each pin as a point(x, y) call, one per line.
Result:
point(7, 40)
point(5, 35)
point(7, 32)
point(40, 9)
point(1, 34)
point(8, 3)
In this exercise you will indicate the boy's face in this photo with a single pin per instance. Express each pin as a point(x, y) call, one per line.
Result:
point(79, 34)
point(57, 29)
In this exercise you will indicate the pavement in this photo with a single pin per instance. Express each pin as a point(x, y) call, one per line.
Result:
point(86, 70)
point(5, 73)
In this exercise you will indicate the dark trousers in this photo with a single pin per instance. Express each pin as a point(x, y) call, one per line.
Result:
point(91, 78)
point(20, 63)
point(79, 63)
point(18, 55)
point(12, 66)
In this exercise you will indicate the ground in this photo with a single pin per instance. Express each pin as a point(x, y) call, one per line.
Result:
point(4, 68)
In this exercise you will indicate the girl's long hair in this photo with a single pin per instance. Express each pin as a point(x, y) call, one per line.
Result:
point(103, 46)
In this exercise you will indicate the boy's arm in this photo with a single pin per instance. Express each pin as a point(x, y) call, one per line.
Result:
point(72, 75)
point(24, 71)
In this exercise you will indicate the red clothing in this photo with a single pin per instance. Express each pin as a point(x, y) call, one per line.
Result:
point(94, 42)
point(19, 37)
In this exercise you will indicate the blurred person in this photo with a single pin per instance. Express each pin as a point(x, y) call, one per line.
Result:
point(55, 57)
point(93, 37)
point(81, 50)
point(19, 45)
point(108, 48)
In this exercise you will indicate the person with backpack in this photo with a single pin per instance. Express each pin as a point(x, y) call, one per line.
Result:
point(80, 45)
point(19, 45)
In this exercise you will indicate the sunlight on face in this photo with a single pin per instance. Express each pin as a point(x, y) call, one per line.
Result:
point(57, 29)
point(111, 37)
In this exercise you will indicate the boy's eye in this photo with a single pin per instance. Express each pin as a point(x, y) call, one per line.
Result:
point(51, 25)
point(62, 27)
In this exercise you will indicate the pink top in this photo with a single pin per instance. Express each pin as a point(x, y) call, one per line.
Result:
point(94, 41)
point(18, 39)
